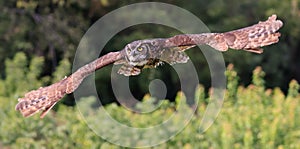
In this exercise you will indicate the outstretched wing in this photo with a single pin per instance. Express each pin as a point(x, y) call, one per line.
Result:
point(44, 98)
point(250, 38)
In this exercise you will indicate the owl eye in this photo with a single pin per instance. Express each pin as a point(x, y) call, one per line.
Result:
point(140, 49)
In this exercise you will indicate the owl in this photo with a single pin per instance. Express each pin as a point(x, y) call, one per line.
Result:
point(150, 53)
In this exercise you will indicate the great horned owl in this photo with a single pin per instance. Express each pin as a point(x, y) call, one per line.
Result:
point(150, 53)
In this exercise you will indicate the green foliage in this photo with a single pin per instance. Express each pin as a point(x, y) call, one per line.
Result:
point(255, 118)
point(258, 77)
point(22, 75)
point(61, 70)
point(232, 83)
point(293, 89)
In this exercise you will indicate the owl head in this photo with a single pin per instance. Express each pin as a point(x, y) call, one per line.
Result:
point(137, 52)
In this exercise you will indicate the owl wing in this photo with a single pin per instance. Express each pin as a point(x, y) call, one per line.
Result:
point(44, 98)
point(175, 54)
point(250, 38)
point(129, 70)
point(254, 37)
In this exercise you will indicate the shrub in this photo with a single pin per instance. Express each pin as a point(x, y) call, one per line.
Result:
point(252, 116)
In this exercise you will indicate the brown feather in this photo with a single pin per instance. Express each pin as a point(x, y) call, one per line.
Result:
point(256, 36)
point(44, 98)
point(250, 38)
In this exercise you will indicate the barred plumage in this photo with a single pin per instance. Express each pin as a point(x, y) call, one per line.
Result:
point(44, 98)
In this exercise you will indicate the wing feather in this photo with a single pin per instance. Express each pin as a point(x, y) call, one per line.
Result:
point(250, 38)
point(174, 55)
point(44, 98)
point(256, 36)
point(129, 70)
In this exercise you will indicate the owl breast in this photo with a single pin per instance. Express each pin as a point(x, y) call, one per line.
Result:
point(139, 63)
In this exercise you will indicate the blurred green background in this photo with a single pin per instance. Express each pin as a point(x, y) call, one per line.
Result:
point(39, 40)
